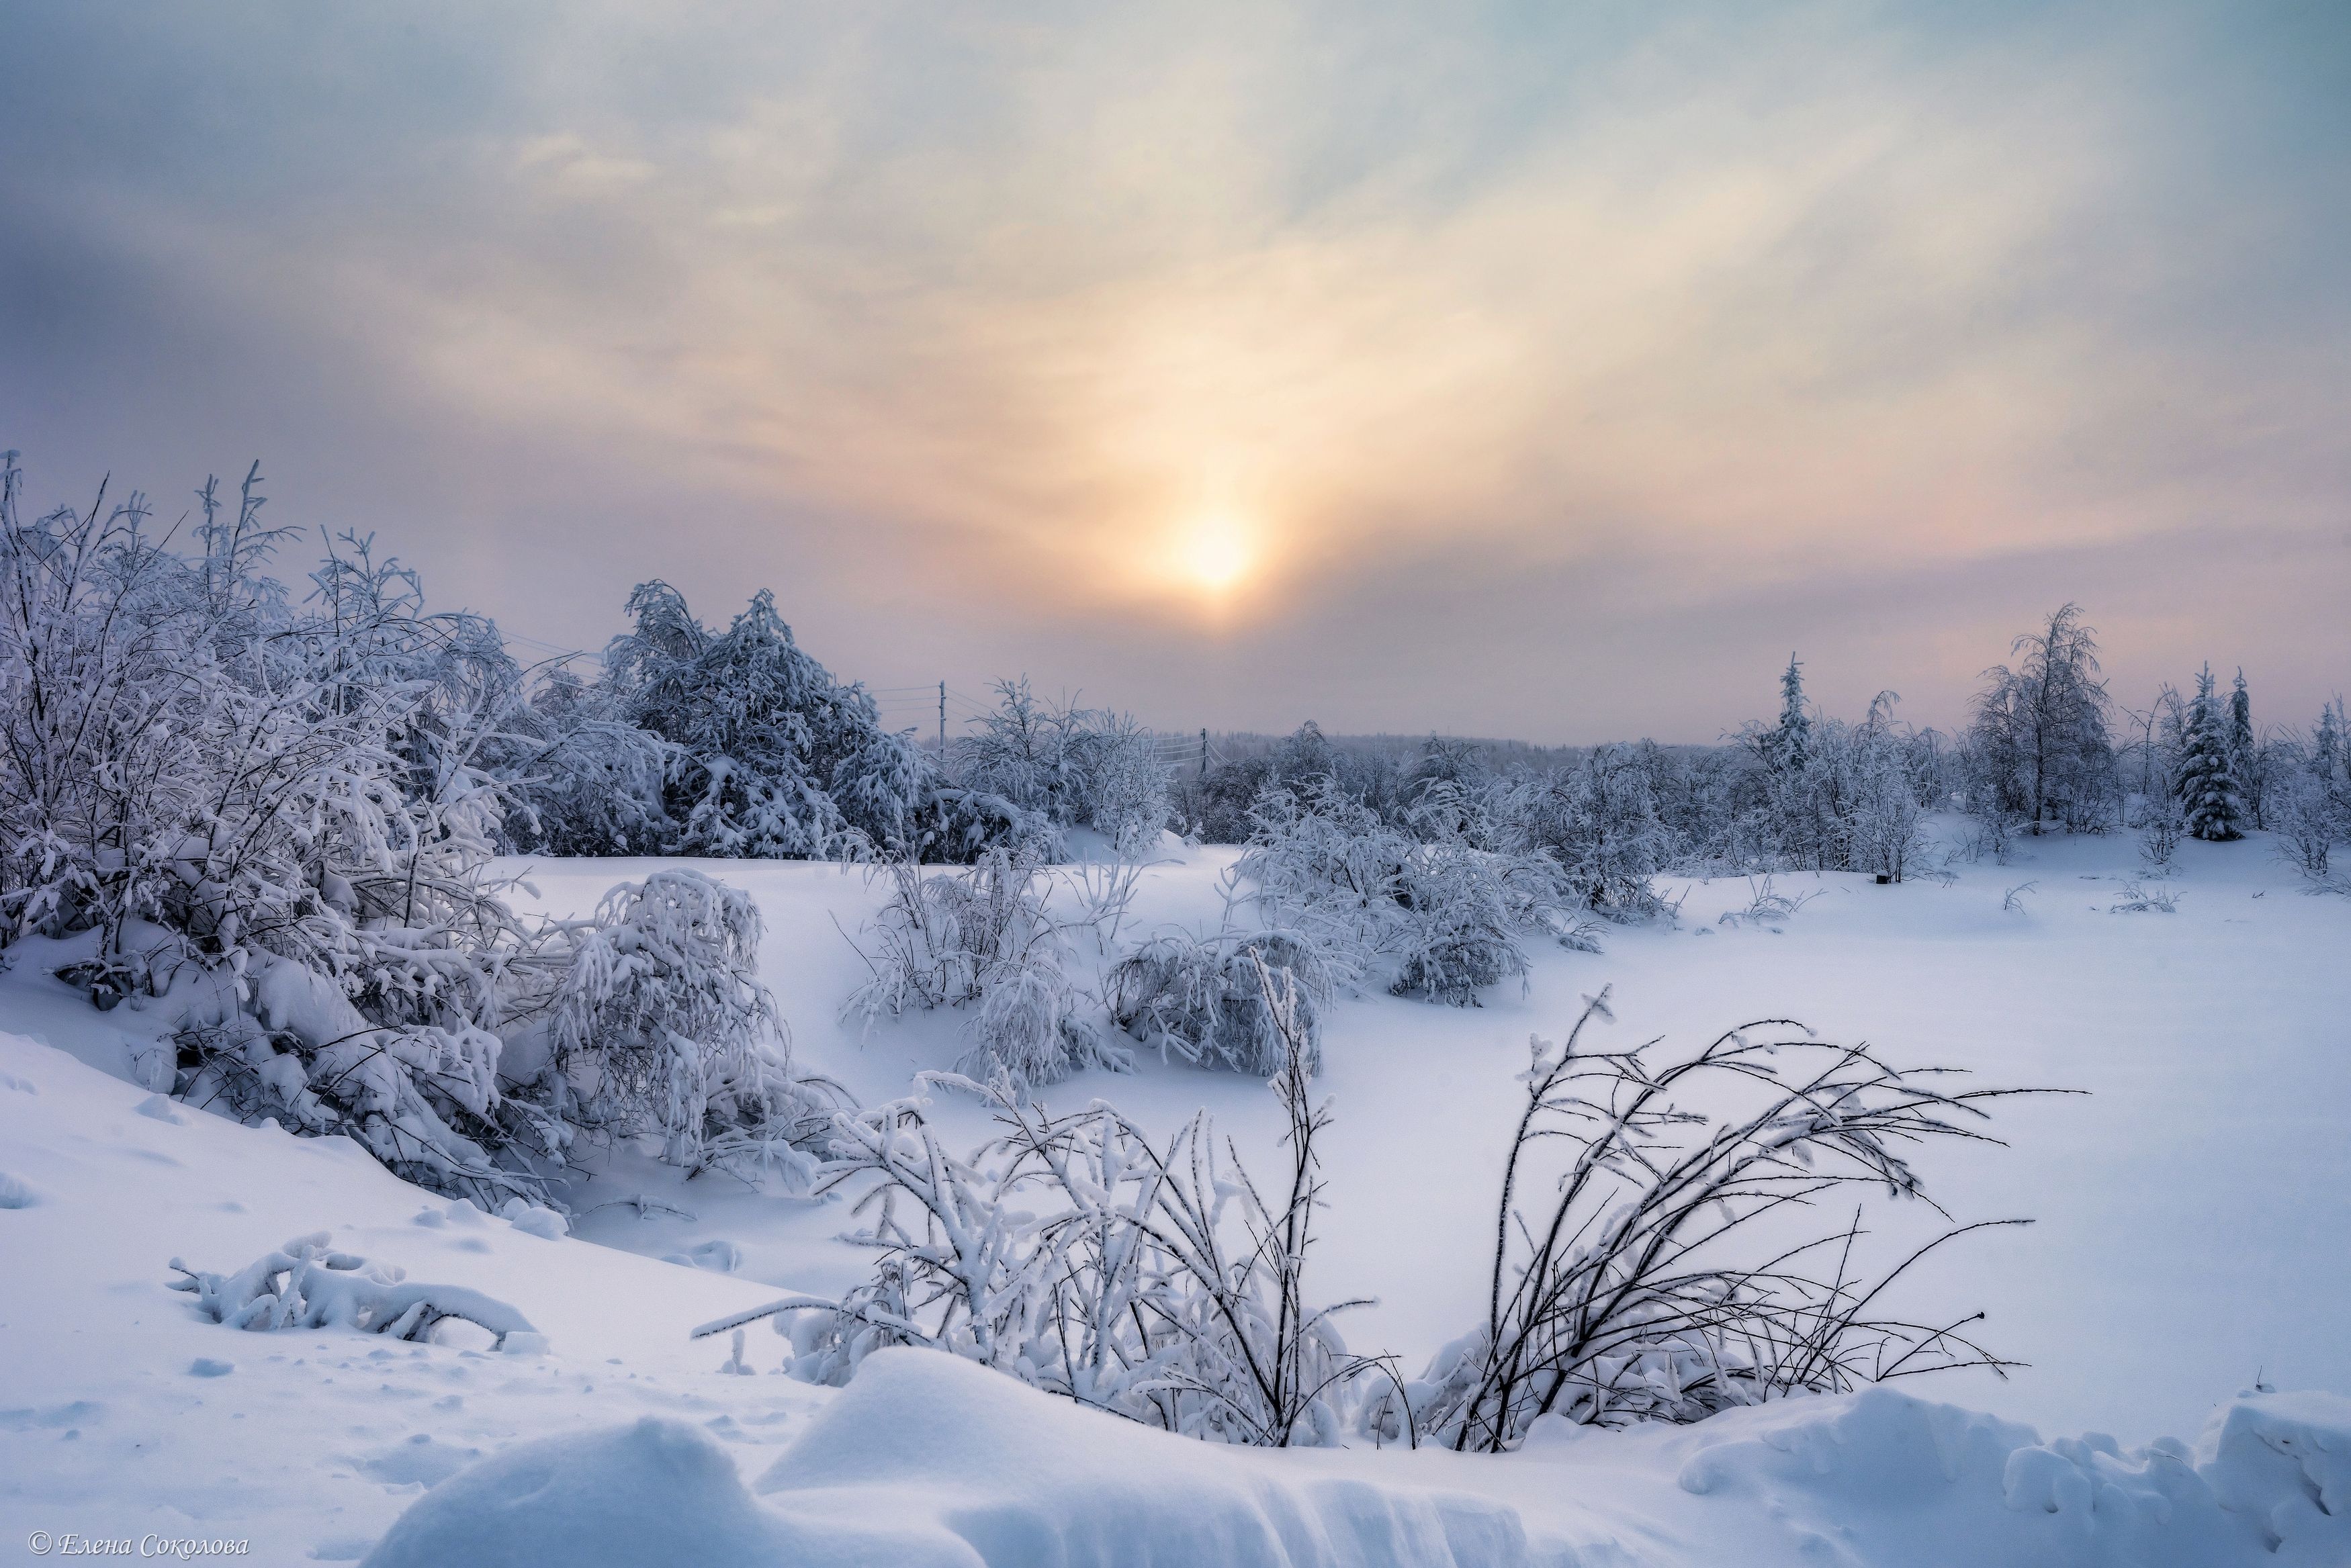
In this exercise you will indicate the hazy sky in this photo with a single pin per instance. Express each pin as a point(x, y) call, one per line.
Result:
point(1543, 370)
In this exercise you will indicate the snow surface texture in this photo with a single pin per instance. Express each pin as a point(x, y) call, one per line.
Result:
point(2193, 1233)
point(931, 1462)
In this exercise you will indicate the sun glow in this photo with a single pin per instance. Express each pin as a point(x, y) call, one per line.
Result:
point(1216, 554)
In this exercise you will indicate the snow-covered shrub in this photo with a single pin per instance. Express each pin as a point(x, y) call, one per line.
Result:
point(2159, 835)
point(1201, 999)
point(1442, 916)
point(1154, 1281)
point(283, 816)
point(1031, 1026)
point(2138, 900)
point(1766, 905)
point(983, 936)
point(940, 931)
point(772, 757)
point(585, 780)
point(952, 826)
point(1465, 911)
point(2309, 822)
point(1073, 767)
point(307, 1284)
point(660, 1026)
point(1598, 822)
point(1625, 1295)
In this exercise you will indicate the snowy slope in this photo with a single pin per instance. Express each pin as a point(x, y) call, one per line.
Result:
point(2194, 1231)
point(126, 1415)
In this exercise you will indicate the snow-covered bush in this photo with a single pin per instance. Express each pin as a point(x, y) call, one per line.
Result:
point(1625, 1295)
point(772, 757)
point(1441, 919)
point(1153, 1280)
point(1070, 766)
point(1598, 822)
point(2159, 835)
point(1465, 910)
point(2310, 822)
point(1766, 904)
point(983, 936)
point(584, 779)
point(307, 1284)
point(282, 815)
point(1201, 999)
point(660, 1026)
point(1031, 1026)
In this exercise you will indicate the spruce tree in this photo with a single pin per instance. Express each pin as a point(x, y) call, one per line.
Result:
point(1793, 742)
point(2245, 755)
point(2208, 783)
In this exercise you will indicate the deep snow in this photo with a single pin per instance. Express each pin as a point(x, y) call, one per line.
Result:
point(2194, 1231)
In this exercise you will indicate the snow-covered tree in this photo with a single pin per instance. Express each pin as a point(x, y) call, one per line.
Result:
point(277, 817)
point(1598, 822)
point(2212, 805)
point(1069, 767)
point(1791, 741)
point(772, 758)
point(2040, 735)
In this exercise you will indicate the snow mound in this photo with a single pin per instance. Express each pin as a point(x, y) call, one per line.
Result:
point(986, 1470)
point(658, 1492)
point(928, 1462)
point(2285, 1460)
point(1880, 1477)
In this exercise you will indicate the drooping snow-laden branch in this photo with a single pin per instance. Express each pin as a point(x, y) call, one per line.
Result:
point(1151, 1279)
point(1669, 1274)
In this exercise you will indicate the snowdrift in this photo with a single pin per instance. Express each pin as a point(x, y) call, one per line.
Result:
point(930, 1462)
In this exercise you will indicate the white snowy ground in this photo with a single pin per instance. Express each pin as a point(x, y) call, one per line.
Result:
point(2195, 1230)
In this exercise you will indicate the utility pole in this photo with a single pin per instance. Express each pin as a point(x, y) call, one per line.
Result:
point(943, 724)
point(1204, 756)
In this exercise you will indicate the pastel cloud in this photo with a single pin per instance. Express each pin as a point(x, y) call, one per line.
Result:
point(1517, 345)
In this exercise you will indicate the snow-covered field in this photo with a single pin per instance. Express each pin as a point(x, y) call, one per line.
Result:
point(2193, 1237)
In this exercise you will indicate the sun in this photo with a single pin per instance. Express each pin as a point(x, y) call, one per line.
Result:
point(1217, 554)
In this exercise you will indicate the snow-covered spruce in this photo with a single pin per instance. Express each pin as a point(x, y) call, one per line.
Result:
point(308, 1284)
point(2212, 808)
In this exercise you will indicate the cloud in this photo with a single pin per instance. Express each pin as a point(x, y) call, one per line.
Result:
point(1509, 340)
